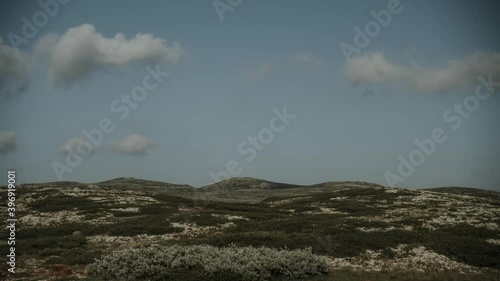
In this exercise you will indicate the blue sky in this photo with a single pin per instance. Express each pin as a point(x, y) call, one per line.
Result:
point(353, 118)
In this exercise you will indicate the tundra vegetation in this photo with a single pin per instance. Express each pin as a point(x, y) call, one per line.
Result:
point(249, 229)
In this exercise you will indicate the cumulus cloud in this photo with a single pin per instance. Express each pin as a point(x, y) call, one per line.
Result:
point(7, 141)
point(14, 66)
point(82, 50)
point(263, 69)
point(133, 144)
point(77, 145)
point(309, 58)
point(375, 68)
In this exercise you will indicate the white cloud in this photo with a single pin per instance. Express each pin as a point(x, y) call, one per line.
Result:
point(82, 50)
point(263, 69)
point(77, 145)
point(133, 144)
point(45, 44)
point(7, 141)
point(13, 65)
point(375, 68)
point(309, 58)
point(372, 68)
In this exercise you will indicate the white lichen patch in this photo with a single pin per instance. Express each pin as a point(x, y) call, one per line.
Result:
point(379, 229)
point(436, 222)
point(43, 219)
point(435, 210)
point(120, 240)
point(109, 196)
point(416, 259)
point(494, 241)
point(50, 219)
point(230, 217)
point(325, 210)
point(130, 209)
point(289, 200)
point(191, 230)
point(339, 198)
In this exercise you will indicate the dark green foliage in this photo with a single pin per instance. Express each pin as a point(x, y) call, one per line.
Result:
point(47, 246)
point(122, 214)
point(173, 200)
point(152, 225)
point(64, 203)
point(51, 231)
point(467, 244)
point(200, 218)
point(156, 209)
point(75, 256)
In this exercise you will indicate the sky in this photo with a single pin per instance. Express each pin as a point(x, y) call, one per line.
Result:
point(400, 93)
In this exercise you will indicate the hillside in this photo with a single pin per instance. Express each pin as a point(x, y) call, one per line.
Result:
point(246, 183)
point(365, 231)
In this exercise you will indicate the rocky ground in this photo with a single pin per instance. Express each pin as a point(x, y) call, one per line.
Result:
point(364, 229)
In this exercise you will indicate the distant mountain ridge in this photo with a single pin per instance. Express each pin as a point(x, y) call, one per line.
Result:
point(243, 183)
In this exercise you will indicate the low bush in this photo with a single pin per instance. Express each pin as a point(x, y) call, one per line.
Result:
point(47, 246)
point(65, 203)
point(74, 257)
point(208, 263)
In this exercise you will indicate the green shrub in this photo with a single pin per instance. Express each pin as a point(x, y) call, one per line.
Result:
point(467, 244)
point(151, 225)
point(208, 262)
point(75, 256)
point(65, 203)
point(46, 246)
point(155, 209)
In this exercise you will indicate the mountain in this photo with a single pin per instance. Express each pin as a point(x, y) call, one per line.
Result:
point(247, 183)
point(476, 192)
point(135, 183)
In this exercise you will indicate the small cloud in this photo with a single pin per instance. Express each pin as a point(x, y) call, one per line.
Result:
point(15, 68)
point(81, 50)
point(309, 58)
point(264, 69)
point(7, 141)
point(77, 144)
point(133, 144)
point(375, 68)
